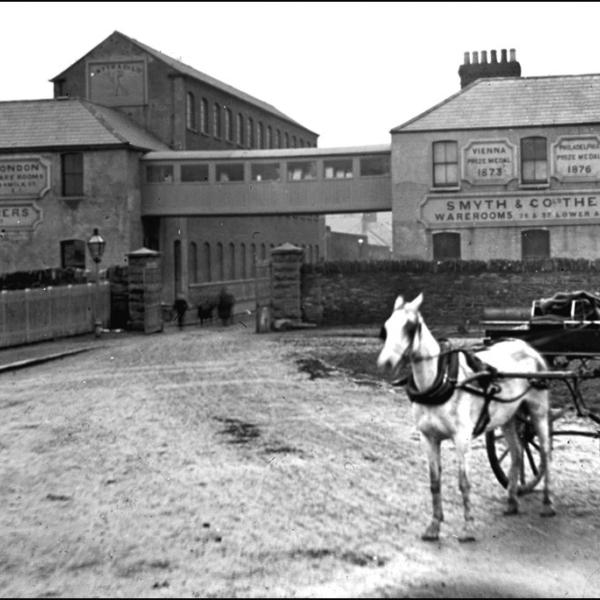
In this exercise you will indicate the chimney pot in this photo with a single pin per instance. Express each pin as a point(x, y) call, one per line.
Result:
point(475, 58)
point(494, 56)
point(484, 57)
point(513, 55)
point(467, 58)
point(503, 55)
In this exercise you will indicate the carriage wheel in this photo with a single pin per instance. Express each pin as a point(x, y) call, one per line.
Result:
point(499, 457)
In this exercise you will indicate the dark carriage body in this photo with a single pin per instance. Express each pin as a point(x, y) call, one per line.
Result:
point(568, 324)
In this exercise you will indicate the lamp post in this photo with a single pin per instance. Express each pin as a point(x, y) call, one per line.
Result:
point(96, 246)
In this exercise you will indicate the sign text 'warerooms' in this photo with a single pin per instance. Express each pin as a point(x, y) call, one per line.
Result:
point(461, 211)
point(24, 176)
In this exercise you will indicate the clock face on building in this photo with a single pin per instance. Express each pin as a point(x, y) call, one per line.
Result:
point(117, 83)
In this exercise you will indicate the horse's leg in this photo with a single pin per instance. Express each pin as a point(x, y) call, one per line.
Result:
point(514, 446)
point(432, 532)
point(463, 447)
point(540, 416)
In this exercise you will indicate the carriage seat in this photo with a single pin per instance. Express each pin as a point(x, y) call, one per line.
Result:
point(565, 305)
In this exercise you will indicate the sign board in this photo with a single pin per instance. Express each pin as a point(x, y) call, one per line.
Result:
point(489, 162)
point(24, 176)
point(545, 208)
point(117, 82)
point(22, 215)
point(577, 157)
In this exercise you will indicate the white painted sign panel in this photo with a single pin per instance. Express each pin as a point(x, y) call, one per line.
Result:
point(24, 176)
point(577, 157)
point(489, 162)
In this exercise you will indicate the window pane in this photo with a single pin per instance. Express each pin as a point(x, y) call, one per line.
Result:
point(338, 169)
point(374, 165)
point(159, 173)
point(439, 175)
point(541, 170)
point(265, 172)
point(439, 152)
point(230, 172)
point(452, 174)
point(194, 172)
point(302, 170)
point(451, 151)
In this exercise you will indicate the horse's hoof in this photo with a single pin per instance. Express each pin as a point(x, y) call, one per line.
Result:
point(466, 536)
point(548, 511)
point(432, 533)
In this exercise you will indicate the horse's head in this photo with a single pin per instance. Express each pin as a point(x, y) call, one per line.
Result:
point(398, 334)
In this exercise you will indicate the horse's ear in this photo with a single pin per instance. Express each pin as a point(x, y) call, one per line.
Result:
point(416, 303)
point(399, 303)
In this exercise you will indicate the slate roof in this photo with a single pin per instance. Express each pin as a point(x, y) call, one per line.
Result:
point(514, 102)
point(184, 69)
point(68, 123)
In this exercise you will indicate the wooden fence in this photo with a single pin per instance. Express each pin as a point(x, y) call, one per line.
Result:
point(39, 314)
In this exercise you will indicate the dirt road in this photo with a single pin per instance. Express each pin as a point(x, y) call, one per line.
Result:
point(211, 462)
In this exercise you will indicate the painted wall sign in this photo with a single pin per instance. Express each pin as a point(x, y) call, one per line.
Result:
point(117, 83)
point(24, 176)
point(19, 215)
point(577, 157)
point(489, 162)
point(509, 209)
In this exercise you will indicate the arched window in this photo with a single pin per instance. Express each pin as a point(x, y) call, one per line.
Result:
point(228, 125)
point(260, 135)
point(250, 132)
point(534, 160)
point(263, 251)
point(269, 137)
point(240, 129)
point(232, 273)
point(278, 139)
point(220, 262)
point(193, 263)
point(204, 115)
point(177, 265)
point(287, 140)
point(207, 271)
point(190, 112)
point(244, 263)
point(535, 244)
point(217, 120)
point(446, 246)
point(253, 258)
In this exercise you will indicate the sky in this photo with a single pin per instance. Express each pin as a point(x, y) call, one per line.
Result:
point(349, 71)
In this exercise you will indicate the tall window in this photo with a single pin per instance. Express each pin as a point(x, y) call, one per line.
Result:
point(228, 125)
point(190, 112)
point(72, 254)
point(204, 115)
point(217, 120)
point(269, 137)
point(287, 140)
point(72, 174)
point(250, 132)
point(278, 139)
point(260, 135)
point(193, 262)
point(534, 160)
point(232, 273)
point(445, 164)
point(207, 272)
point(535, 243)
point(243, 266)
point(240, 129)
point(446, 246)
point(220, 262)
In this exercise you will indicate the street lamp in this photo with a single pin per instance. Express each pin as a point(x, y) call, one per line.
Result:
point(96, 246)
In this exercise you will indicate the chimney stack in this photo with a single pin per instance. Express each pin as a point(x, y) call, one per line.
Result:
point(472, 70)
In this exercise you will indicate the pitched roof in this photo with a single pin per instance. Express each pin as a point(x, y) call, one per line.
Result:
point(68, 123)
point(514, 102)
point(203, 77)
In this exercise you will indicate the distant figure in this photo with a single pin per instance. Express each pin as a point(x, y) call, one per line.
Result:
point(180, 306)
point(225, 306)
point(205, 310)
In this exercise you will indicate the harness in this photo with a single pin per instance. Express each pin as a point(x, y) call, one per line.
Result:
point(446, 383)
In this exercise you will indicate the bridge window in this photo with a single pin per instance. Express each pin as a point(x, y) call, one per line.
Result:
point(230, 172)
point(228, 125)
point(446, 246)
point(445, 164)
point(535, 244)
point(534, 161)
point(159, 173)
point(302, 170)
point(374, 165)
point(204, 115)
point(265, 172)
point(338, 169)
point(190, 111)
point(194, 173)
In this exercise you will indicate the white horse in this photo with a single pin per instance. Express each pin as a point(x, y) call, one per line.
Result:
point(471, 407)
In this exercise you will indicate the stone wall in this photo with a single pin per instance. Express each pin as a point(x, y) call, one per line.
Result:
point(455, 293)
